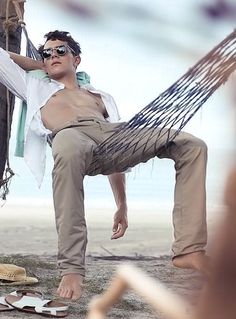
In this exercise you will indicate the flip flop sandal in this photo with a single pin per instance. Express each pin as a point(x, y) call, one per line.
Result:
point(4, 306)
point(31, 301)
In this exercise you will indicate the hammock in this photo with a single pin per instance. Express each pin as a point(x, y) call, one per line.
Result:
point(175, 106)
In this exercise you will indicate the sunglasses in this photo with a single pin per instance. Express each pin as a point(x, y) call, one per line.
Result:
point(60, 50)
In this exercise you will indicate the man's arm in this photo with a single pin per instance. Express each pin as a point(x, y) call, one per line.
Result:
point(117, 182)
point(12, 75)
point(26, 63)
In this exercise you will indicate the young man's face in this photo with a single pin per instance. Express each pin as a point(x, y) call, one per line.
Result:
point(59, 61)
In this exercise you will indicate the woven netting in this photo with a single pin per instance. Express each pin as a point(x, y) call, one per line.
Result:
point(175, 106)
point(31, 51)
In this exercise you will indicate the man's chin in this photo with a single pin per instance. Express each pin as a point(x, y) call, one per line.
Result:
point(55, 75)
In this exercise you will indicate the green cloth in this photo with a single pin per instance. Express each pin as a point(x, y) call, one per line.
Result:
point(82, 78)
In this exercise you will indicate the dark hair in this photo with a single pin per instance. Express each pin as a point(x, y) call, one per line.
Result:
point(62, 36)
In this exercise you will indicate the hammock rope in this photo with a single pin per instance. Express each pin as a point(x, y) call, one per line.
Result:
point(31, 51)
point(173, 108)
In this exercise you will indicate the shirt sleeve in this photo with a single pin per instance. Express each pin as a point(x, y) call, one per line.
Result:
point(12, 76)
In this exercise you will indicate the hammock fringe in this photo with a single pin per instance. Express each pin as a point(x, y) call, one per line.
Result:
point(5, 183)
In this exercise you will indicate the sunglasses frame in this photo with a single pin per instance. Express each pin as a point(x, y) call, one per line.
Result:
point(67, 49)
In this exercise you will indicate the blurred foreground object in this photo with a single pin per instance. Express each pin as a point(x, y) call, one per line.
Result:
point(154, 293)
point(218, 301)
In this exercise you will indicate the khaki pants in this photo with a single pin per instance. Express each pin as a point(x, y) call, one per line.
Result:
point(72, 148)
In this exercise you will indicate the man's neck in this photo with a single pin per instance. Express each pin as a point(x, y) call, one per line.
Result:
point(70, 82)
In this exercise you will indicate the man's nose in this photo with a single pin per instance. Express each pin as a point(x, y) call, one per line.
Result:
point(54, 53)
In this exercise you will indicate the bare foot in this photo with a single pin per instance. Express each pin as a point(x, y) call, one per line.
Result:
point(71, 287)
point(196, 260)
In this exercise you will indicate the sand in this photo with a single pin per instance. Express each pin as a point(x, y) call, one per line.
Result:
point(28, 238)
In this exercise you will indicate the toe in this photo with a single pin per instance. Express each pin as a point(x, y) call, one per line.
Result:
point(76, 296)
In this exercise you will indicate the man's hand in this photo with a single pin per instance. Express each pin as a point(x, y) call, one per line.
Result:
point(120, 223)
point(117, 182)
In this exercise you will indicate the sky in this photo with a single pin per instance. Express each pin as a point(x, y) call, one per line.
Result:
point(135, 50)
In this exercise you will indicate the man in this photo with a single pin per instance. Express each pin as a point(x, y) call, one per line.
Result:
point(78, 119)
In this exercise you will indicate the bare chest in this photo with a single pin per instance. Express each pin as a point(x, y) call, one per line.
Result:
point(76, 99)
point(67, 104)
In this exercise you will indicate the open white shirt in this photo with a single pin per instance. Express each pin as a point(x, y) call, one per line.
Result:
point(36, 92)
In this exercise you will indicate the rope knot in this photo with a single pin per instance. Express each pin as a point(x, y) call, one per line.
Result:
point(10, 25)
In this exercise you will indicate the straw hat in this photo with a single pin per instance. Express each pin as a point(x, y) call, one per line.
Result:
point(13, 275)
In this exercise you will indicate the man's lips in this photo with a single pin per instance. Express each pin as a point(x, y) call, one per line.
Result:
point(55, 63)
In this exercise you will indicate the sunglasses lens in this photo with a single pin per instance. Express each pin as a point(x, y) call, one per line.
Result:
point(61, 50)
point(46, 53)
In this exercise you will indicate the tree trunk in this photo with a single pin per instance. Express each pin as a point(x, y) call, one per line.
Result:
point(14, 45)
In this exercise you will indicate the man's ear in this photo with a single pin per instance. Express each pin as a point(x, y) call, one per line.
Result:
point(77, 61)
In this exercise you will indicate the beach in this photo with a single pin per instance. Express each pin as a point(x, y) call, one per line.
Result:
point(152, 47)
point(28, 238)
point(26, 228)
point(31, 228)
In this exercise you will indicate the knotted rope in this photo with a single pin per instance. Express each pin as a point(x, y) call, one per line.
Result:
point(10, 25)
